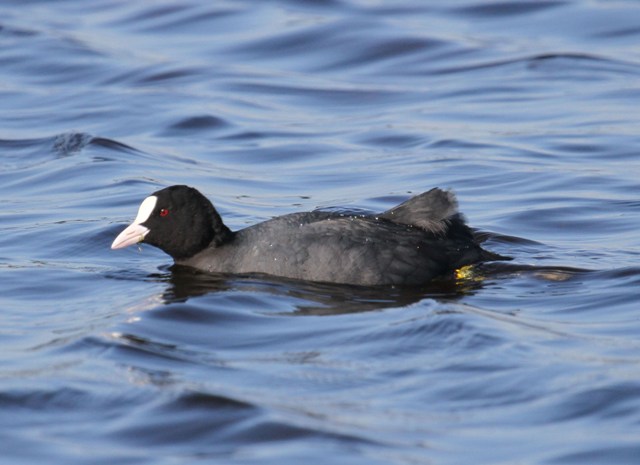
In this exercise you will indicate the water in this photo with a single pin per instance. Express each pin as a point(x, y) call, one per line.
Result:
point(528, 110)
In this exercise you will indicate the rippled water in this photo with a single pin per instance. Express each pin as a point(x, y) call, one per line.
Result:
point(528, 110)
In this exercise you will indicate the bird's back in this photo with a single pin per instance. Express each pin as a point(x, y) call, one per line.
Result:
point(350, 249)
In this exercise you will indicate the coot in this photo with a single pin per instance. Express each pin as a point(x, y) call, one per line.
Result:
point(410, 244)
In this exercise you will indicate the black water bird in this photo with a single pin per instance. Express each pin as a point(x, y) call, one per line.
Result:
point(422, 238)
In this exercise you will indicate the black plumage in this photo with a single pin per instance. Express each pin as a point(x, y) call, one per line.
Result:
point(410, 244)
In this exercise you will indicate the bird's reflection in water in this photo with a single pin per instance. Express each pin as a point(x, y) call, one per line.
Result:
point(184, 283)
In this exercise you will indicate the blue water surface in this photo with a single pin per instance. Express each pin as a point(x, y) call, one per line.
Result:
point(528, 110)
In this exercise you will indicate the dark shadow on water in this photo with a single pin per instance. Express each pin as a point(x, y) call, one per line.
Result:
point(184, 283)
point(313, 298)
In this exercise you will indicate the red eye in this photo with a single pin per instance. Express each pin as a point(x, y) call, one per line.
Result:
point(164, 212)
